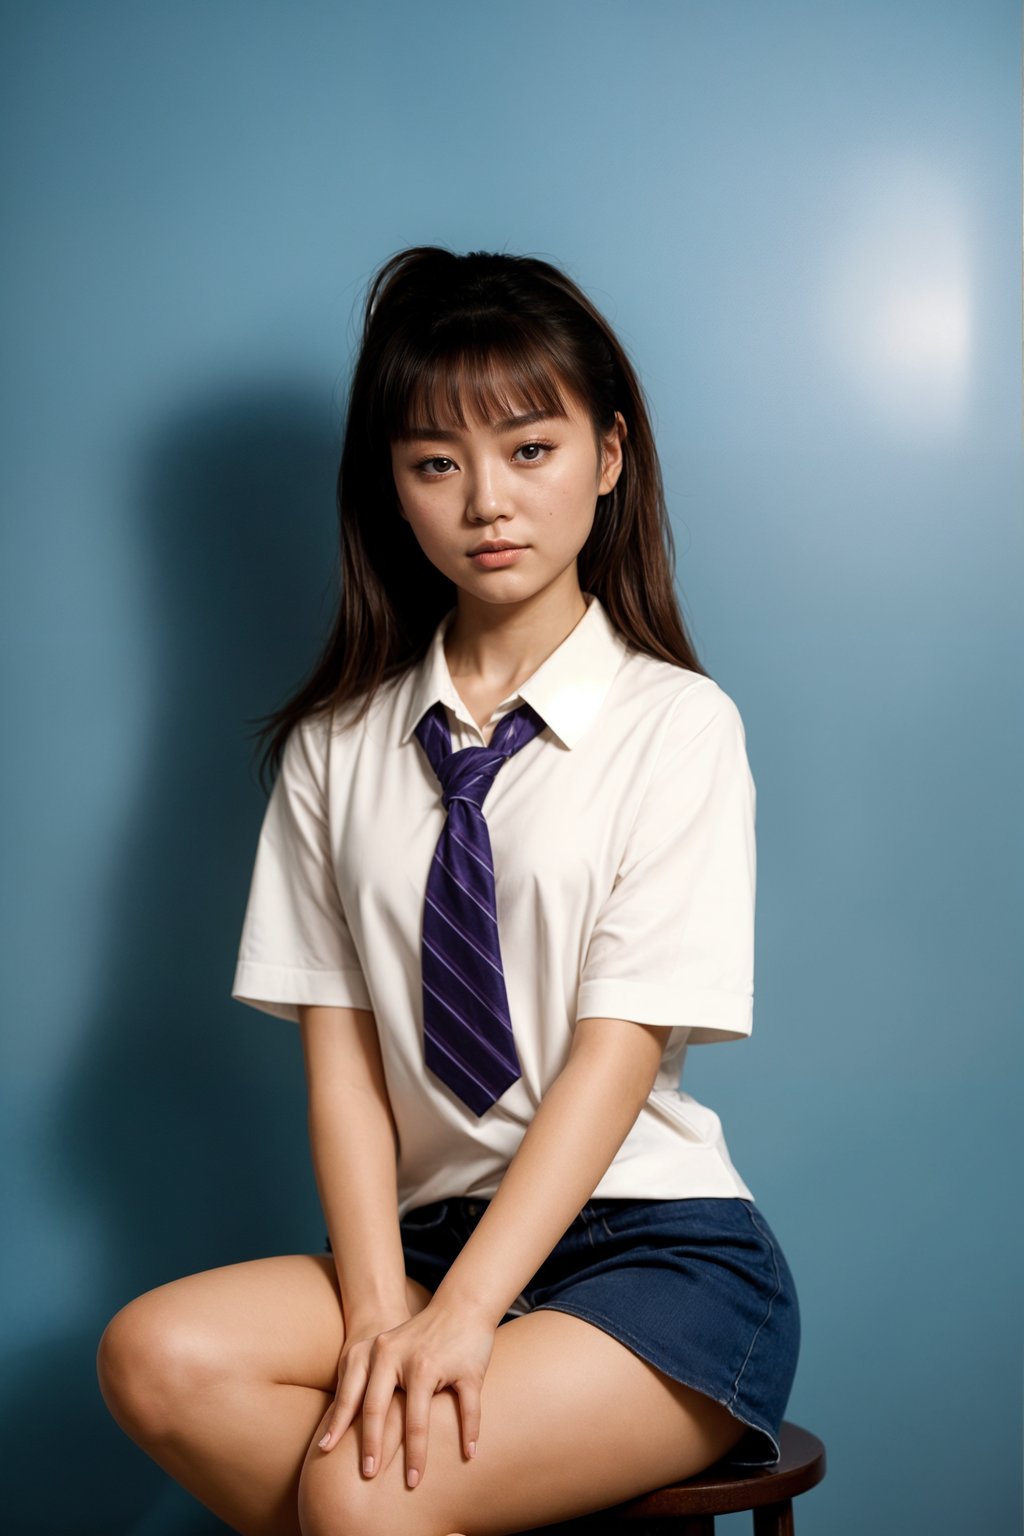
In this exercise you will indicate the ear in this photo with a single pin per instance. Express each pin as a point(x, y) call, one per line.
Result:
point(611, 454)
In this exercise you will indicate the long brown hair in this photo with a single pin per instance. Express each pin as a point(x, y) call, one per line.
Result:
point(499, 329)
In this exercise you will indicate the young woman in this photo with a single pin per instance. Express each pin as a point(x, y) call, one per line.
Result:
point(504, 879)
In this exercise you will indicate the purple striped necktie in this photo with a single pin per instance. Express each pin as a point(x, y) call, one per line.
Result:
point(467, 1030)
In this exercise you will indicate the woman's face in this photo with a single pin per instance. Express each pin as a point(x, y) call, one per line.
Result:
point(534, 482)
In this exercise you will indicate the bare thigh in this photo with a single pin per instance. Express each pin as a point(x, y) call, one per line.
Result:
point(571, 1421)
point(274, 1320)
point(223, 1376)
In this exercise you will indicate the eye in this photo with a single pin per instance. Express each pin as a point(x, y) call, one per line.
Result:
point(423, 464)
point(547, 447)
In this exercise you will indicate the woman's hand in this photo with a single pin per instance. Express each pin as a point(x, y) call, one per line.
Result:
point(435, 1349)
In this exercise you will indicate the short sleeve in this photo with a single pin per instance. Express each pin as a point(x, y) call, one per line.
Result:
point(673, 943)
point(296, 946)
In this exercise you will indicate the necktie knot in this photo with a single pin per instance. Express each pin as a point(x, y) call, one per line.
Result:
point(468, 774)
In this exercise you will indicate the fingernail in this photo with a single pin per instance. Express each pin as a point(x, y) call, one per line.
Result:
point(472, 1447)
point(368, 1465)
point(412, 1477)
point(323, 1442)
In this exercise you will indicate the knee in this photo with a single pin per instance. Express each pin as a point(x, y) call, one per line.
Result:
point(331, 1502)
point(353, 1515)
point(335, 1499)
point(149, 1359)
point(352, 1505)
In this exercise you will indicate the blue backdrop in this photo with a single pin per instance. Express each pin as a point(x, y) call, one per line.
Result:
point(804, 220)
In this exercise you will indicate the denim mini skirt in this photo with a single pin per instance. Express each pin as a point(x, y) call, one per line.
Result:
point(700, 1288)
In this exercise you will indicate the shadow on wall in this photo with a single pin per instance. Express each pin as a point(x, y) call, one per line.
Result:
point(180, 1139)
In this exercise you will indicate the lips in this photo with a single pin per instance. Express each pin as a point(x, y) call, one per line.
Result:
point(498, 557)
point(492, 549)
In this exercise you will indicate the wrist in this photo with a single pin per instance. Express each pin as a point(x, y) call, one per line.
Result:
point(472, 1307)
point(375, 1314)
point(366, 1325)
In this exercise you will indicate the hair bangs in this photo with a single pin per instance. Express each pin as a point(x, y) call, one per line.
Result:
point(489, 382)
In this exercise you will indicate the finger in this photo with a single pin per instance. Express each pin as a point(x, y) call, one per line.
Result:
point(419, 1396)
point(380, 1390)
point(342, 1412)
point(469, 1414)
point(394, 1430)
point(345, 1406)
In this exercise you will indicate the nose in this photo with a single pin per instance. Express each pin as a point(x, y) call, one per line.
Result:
point(487, 492)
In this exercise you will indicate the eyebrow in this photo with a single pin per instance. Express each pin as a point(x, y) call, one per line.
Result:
point(506, 424)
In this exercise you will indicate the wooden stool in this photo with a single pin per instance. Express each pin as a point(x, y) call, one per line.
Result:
point(689, 1509)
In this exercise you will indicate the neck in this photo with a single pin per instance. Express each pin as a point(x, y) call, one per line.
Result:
point(497, 646)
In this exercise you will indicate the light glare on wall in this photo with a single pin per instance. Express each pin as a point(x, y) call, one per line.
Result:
point(898, 299)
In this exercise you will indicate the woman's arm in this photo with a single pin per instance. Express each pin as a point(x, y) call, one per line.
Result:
point(582, 1121)
point(353, 1142)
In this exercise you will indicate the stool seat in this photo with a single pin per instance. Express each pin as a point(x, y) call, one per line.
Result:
point(689, 1508)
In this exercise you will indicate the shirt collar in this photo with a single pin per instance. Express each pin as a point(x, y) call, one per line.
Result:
point(566, 690)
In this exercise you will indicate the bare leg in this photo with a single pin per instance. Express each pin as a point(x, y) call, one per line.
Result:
point(223, 1377)
point(571, 1422)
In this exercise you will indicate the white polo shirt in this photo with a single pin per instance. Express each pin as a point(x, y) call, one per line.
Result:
point(624, 856)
